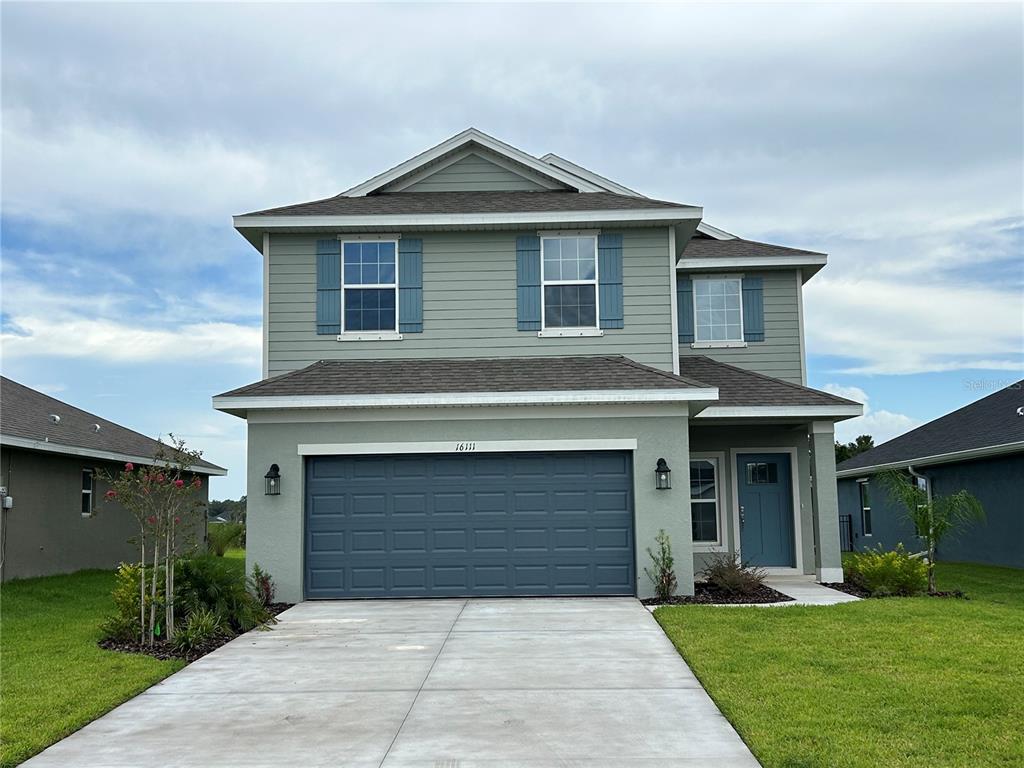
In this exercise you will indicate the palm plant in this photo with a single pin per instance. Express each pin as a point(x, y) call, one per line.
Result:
point(934, 516)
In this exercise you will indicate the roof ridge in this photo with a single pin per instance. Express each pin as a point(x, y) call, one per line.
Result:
point(773, 379)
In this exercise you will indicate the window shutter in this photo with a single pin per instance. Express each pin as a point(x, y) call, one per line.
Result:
point(410, 285)
point(609, 268)
point(528, 282)
point(328, 287)
point(753, 309)
point(684, 308)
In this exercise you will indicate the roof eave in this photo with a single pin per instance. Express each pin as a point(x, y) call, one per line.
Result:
point(969, 454)
point(837, 412)
point(809, 266)
point(48, 446)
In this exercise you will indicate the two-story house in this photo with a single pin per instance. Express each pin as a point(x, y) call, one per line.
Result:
point(487, 373)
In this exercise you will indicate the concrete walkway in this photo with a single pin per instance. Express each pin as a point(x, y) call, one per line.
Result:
point(805, 591)
point(533, 683)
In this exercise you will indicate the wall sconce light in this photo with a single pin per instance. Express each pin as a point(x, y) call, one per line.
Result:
point(273, 481)
point(662, 476)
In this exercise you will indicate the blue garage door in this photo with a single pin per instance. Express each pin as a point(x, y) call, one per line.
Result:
point(444, 525)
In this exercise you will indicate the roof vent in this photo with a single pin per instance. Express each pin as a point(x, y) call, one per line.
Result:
point(54, 418)
point(95, 427)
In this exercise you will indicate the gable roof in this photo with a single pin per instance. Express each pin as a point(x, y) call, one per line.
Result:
point(466, 381)
point(990, 426)
point(26, 423)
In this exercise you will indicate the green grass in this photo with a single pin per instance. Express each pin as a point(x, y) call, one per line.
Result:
point(54, 678)
point(895, 682)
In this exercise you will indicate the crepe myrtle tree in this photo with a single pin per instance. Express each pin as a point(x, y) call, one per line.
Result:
point(163, 498)
point(934, 516)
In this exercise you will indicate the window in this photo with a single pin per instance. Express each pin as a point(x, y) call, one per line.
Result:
point(718, 316)
point(370, 283)
point(569, 282)
point(704, 500)
point(88, 486)
point(762, 473)
point(865, 508)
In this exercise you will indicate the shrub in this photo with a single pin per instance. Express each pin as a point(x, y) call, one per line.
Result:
point(222, 536)
point(884, 573)
point(215, 584)
point(202, 626)
point(125, 625)
point(727, 573)
point(262, 584)
point(663, 576)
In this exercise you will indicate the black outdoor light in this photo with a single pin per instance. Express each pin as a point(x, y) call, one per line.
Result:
point(273, 480)
point(662, 476)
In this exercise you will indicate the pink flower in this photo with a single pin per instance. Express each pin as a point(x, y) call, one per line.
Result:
point(129, 467)
point(198, 483)
point(151, 520)
point(160, 478)
point(177, 519)
point(111, 494)
point(179, 483)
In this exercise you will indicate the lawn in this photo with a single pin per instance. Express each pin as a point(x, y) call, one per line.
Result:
point(895, 682)
point(54, 677)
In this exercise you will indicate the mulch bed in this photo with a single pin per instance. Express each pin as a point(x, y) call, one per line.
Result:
point(707, 594)
point(165, 651)
point(858, 591)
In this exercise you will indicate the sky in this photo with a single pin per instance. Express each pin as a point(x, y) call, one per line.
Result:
point(888, 136)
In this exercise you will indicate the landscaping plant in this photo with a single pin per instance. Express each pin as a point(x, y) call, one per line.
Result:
point(663, 575)
point(162, 497)
point(262, 585)
point(221, 537)
point(888, 573)
point(935, 516)
point(201, 626)
point(727, 573)
point(211, 583)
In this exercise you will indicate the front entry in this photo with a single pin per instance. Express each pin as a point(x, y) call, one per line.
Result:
point(765, 487)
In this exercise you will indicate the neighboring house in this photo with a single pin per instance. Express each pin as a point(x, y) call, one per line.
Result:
point(51, 456)
point(978, 448)
point(475, 362)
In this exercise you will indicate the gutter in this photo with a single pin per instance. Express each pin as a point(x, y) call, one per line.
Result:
point(939, 458)
point(88, 453)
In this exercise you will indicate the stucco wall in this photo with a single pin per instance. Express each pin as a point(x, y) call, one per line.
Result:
point(45, 532)
point(275, 524)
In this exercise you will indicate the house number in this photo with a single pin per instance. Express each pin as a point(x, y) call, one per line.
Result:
point(462, 447)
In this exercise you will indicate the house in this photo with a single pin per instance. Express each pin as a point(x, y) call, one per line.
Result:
point(52, 456)
point(978, 448)
point(487, 373)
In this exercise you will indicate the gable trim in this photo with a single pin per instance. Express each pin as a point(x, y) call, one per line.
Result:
point(429, 170)
point(470, 135)
point(587, 175)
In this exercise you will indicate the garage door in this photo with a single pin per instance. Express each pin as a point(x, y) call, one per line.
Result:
point(443, 525)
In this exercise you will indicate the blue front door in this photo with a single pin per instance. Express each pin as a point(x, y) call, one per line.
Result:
point(766, 509)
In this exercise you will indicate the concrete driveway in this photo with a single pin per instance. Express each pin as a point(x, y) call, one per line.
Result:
point(433, 683)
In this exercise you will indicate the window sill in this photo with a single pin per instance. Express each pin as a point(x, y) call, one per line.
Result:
point(370, 336)
point(561, 333)
point(718, 345)
point(706, 547)
point(86, 516)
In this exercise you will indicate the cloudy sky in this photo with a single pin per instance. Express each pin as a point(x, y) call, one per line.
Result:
point(890, 137)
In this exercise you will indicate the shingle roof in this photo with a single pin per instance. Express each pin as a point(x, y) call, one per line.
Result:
point(740, 387)
point(991, 421)
point(708, 248)
point(26, 414)
point(467, 202)
point(451, 375)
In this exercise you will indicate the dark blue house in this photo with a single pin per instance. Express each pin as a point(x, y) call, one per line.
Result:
point(980, 448)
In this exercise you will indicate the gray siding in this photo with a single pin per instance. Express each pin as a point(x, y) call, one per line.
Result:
point(45, 531)
point(474, 173)
point(469, 304)
point(779, 354)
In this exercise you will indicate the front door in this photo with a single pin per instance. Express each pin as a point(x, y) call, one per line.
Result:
point(766, 509)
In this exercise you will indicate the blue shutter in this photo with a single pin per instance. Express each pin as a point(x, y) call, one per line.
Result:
point(528, 282)
point(328, 286)
point(753, 309)
point(609, 268)
point(684, 308)
point(410, 285)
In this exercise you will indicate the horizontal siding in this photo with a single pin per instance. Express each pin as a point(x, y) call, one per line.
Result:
point(469, 304)
point(779, 354)
point(474, 173)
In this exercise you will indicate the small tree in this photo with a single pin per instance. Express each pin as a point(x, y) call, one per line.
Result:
point(934, 518)
point(162, 498)
point(663, 576)
point(846, 451)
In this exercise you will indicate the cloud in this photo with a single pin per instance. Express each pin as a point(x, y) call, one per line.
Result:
point(881, 425)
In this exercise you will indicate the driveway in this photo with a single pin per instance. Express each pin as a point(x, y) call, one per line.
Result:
point(477, 683)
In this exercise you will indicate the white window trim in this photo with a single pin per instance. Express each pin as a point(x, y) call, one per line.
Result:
point(91, 493)
point(586, 330)
point(861, 485)
point(384, 335)
point(725, 343)
point(718, 459)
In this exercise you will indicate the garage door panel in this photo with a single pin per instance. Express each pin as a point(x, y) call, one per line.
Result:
point(452, 524)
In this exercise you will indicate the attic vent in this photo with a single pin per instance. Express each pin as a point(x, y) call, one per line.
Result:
point(54, 418)
point(95, 427)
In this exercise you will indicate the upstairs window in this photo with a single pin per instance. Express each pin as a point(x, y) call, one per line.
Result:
point(865, 507)
point(569, 291)
point(370, 282)
point(88, 487)
point(717, 310)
